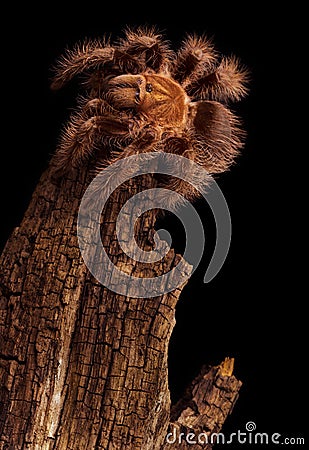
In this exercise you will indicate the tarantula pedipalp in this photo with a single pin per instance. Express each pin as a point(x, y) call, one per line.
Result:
point(142, 96)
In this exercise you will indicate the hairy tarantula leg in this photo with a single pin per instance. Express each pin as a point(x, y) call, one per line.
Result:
point(96, 107)
point(145, 140)
point(196, 55)
point(183, 146)
point(147, 44)
point(90, 56)
point(72, 151)
point(82, 136)
point(217, 135)
point(76, 61)
point(227, 82)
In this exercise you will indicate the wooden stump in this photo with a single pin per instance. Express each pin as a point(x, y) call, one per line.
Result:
point(82, 367)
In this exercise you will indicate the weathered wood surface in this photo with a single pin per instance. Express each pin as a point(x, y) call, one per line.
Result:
point(82, 367)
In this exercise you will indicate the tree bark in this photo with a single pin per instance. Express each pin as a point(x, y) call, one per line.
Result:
point(82, 367)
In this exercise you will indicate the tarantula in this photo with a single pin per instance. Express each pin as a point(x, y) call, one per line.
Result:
point(142, 96)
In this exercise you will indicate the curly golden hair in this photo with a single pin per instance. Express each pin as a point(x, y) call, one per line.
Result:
point(141, 96)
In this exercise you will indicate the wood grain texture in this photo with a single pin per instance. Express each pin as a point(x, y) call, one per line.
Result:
point(82, 367)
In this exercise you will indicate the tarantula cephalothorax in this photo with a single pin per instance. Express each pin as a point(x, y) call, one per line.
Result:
point(142, 96)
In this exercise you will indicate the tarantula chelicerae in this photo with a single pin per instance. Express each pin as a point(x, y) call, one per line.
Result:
point(142, 96)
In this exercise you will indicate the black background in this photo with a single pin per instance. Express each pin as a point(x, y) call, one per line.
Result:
point(254, 309)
